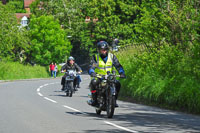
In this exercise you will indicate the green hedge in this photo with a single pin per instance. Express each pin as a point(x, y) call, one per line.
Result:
point(15, 70)
point(166, 77)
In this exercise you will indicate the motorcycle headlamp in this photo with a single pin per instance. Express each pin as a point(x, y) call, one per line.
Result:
point(103, 83)
point(67, 77)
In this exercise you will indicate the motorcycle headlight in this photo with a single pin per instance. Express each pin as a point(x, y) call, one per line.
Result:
point(103, 83)
point(67, 78)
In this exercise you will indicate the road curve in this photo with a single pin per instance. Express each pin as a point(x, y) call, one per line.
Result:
point(38, 106)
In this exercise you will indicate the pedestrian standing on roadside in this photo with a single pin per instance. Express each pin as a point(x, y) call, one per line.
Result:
point(51, 69)
point(55, 70)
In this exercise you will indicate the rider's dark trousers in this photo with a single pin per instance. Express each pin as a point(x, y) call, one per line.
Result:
point(63, 80)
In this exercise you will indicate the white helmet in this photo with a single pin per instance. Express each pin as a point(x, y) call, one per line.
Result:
point(71, 58)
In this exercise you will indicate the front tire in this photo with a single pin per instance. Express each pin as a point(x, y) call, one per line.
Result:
point(71, 89)
point(67, 93)
point(98, 111)
point(110, 106)
point(66, 88)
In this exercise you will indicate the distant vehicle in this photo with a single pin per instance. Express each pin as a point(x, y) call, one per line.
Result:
point(69, 83)
point(61, 64)
point(116, 48)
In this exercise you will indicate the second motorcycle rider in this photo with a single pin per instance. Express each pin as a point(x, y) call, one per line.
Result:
point(71, 65)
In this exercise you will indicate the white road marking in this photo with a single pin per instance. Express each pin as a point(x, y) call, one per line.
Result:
point(38, 89)
point(72, 108)
point(120, 127)
point(45, 84)
point(40, 94)
point(50, 99)
point(109, 123)
point(54, 83)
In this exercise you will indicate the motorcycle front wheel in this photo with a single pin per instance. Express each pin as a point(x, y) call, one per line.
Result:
point(66, 89)
point(98, 111)
point(71, 89)
point(110, 105)
point(67, 93)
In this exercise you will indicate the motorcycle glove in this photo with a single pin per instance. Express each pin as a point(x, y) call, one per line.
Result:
point(93, 74)
point(122, 75)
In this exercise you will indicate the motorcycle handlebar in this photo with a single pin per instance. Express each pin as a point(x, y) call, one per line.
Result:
point(67, 72)
point(100, 75)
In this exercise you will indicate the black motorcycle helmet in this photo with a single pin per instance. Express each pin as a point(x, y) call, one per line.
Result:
point(102, 45)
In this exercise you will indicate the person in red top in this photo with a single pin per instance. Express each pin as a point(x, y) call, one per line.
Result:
point(51, 68)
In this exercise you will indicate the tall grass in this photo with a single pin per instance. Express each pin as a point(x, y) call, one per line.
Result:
point(166, 77)
point(15, 70)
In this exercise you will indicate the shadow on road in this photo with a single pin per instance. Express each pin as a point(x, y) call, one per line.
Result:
point(158, 119)
point(58, 91)
point(103, 131)
point(153, 119)
point(64, 95)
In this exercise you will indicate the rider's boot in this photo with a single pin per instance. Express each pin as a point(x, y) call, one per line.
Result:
point(116, 105)
point(75, 86)
point(93, 100)
point(62, 89)
point(78, 85)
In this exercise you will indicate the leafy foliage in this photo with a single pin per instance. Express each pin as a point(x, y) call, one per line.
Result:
point(48, 41)
point(13, 39)
point(108, 20)
point(17, 6)
point(72, 20)
point(114, 20)
point(165, 77)
point(15, 70)
point(166, 21)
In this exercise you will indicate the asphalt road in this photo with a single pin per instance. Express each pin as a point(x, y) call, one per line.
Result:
point(38, 106)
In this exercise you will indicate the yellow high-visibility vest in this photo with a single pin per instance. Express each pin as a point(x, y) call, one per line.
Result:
point(103, 68)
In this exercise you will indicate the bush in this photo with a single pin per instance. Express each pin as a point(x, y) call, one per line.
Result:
point(48, 41)
point(15, 70)
point(17, 6)
point(167, 77)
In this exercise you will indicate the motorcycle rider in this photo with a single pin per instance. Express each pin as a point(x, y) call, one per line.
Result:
point(71, 65)
point(101, 63)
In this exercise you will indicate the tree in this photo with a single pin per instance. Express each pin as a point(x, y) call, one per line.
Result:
point(71, 16)
point(115, 20)
point(48, 41)
point(17, 6)
point(168, 22)
point(12, 38)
